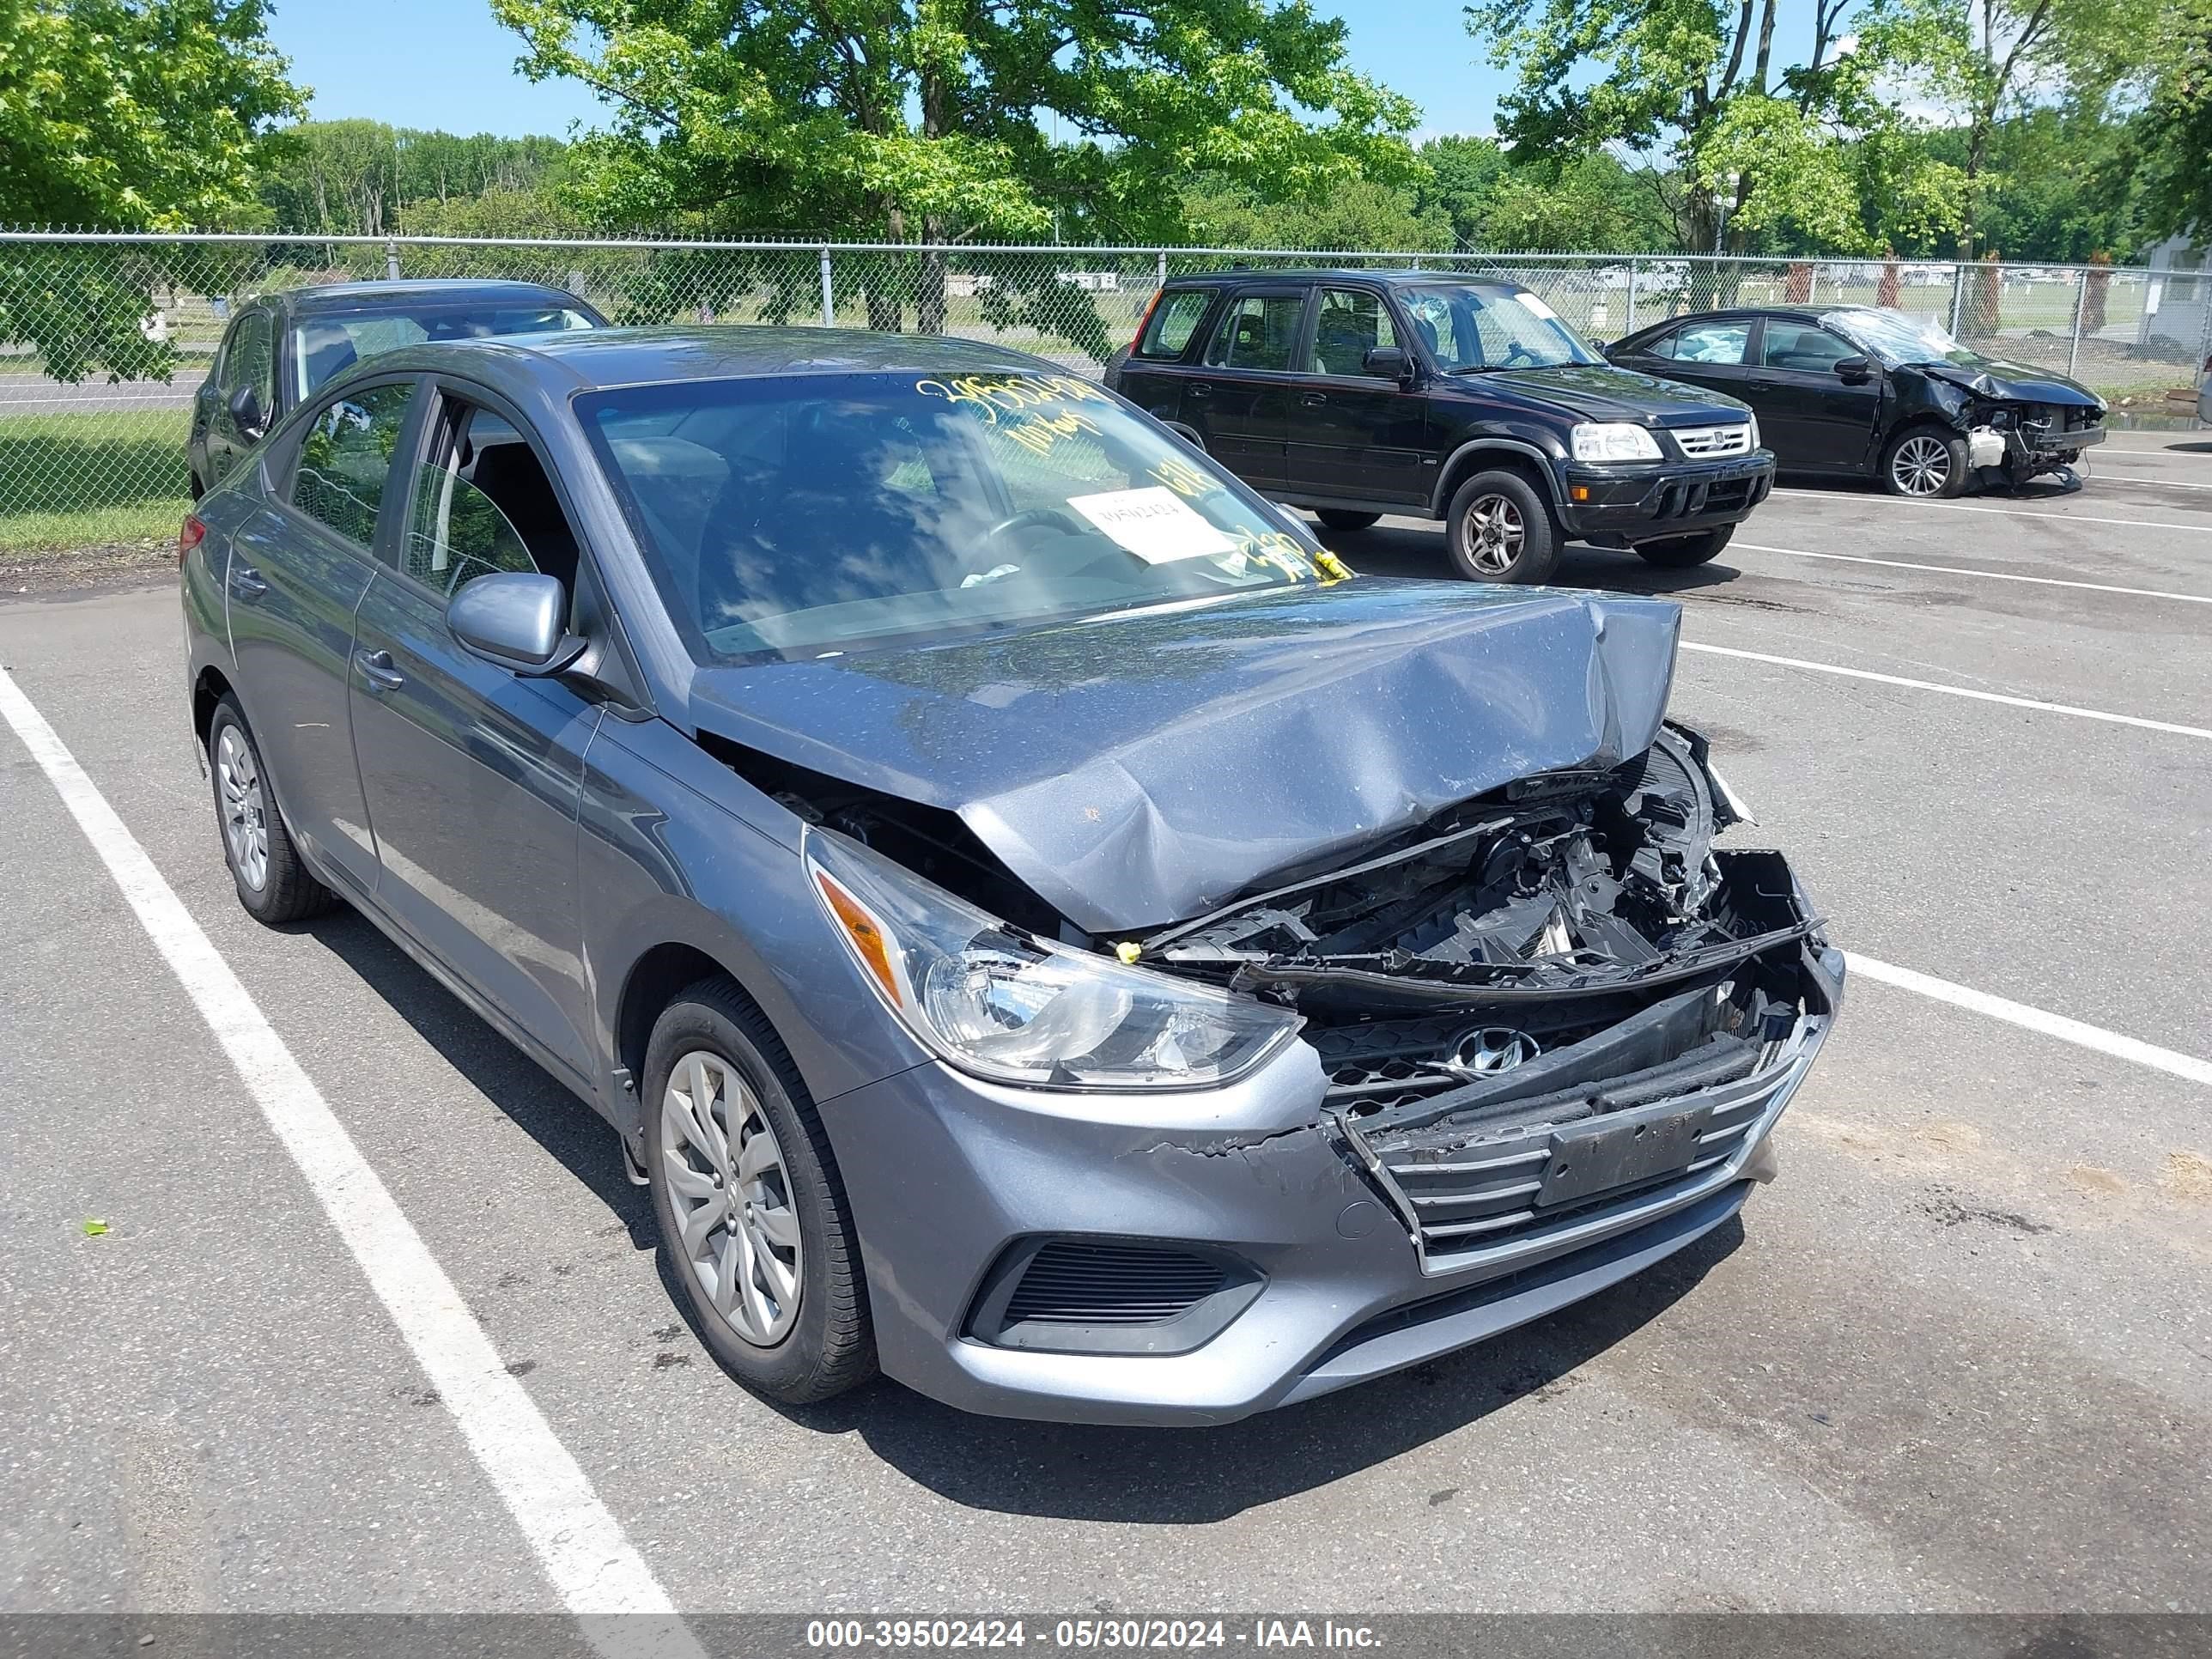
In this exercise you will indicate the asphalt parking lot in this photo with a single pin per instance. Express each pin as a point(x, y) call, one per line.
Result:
point(1960, 1356)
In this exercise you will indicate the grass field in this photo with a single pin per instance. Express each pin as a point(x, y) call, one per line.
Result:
point(72, 480)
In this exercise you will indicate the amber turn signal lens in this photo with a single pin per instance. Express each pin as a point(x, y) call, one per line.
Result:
point(867, 937)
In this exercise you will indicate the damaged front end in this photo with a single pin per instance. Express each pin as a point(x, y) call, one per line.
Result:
point(1560, 1007)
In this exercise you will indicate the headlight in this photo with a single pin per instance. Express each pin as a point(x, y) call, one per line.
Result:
point(994, 1001)
point(1754, 431)
point(1614, 440)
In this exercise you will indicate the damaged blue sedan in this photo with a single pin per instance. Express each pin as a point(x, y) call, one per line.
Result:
point(1040, 925)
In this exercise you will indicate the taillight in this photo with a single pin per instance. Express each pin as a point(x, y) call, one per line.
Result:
point(190, 535)
point(1145, 321)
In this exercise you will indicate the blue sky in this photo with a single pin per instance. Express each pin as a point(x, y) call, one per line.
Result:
point(446, 64)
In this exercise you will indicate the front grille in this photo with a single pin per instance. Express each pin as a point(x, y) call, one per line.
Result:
point(1705, 442)
point(1068, 1283)
point(1470, 1194)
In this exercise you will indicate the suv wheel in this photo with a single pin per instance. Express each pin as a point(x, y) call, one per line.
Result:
point(751, 1210)
point(1925, 462)
point(1500, 530)
point(1337, 518)
point(272, 884)
point(1677, 552)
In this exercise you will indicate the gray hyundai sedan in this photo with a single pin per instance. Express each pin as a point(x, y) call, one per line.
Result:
point(1040, 925)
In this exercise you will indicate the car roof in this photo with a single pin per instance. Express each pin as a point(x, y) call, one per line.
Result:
point(593, 359)
point(421, 291)
point(1386, 279)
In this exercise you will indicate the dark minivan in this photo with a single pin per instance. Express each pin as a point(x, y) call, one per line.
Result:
point(1358, 393)
point(280, 346)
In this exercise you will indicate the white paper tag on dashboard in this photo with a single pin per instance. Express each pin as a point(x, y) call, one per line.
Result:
point(1156, 525)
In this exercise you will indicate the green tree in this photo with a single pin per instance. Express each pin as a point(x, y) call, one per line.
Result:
point(1719, 120)
point(132, 115)
point(2173, 139)
point(929, 120)
point(135, 114)
point(368, 179)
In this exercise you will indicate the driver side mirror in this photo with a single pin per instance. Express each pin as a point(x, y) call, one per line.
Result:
point(1853, 371)
point(1390, 362)
point(246, 412)
point(518, 619)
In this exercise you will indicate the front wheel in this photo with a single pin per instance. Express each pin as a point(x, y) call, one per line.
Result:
point(1500, 530)
point(1337, 518)
point(751, 1210)
point(1925, 463)
point(1678, 552)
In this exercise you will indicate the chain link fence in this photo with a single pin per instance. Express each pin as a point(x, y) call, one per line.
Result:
point(104, 338)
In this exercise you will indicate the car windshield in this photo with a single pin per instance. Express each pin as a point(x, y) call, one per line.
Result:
point(808, 515)
point(1893, 337)
point(325, 346)
point(1470, 327)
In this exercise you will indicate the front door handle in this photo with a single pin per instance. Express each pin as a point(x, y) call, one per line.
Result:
point(1200, 389)
point(377, 672)
point(1314, 399)
point(245, 582)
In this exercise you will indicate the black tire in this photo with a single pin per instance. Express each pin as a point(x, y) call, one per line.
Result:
point(1680, 552)
point(247, 822)
point(1337, 518)
point(1916, 455)
point(1519, 542)
point(830, 1345)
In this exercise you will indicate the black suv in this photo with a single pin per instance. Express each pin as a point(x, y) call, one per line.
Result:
point(1359, 393)
point(280, 346)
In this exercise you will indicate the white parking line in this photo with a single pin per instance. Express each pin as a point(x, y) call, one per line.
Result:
point(2150, 483)
point(577, 1540)
point(1952, 690)
point(1993, 575)
point(2186, 1067)
point(2007, 511)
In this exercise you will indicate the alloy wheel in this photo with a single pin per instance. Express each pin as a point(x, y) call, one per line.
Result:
point(1495, 534)
point(1922, 466)
point(245, 808)
point(731, 1191)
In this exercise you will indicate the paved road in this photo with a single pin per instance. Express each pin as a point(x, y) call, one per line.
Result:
point(1959, 1357)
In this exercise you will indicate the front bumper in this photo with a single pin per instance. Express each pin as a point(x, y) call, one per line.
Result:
point(1621, 506)
point(944, 1173)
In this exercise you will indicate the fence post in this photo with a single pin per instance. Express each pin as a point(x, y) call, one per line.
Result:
point(1633, 263)
point(1958, 294)
point(1163, 268)
point(2080, 300)
point(391, 259)
point(828, 295)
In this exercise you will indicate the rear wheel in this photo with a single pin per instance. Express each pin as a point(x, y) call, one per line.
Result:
point(1337, 519)
point(1500, 530)
point(751, 1210)
point(1676, 552)
point(1925, 462)
point(273, 884)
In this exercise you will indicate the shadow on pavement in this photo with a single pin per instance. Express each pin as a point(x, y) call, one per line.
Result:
point(1399, 550)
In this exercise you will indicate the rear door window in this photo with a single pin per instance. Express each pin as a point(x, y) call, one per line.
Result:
point(1706, 342)
point(1261, 330)
point(1174, 320)
point(346, 455)
point(1802, 346)
point(250, 362)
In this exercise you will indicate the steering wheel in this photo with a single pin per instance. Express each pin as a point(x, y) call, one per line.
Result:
point(1059, 518)
point(1517, 349)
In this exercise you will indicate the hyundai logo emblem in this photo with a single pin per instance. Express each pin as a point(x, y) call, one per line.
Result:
point(1489, 1049)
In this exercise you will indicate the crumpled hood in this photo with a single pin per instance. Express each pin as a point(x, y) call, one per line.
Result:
point(1142, 769)
point(1601, 392)
point(1992, 378)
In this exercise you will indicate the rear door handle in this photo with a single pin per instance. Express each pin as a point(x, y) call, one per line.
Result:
point(244, 582)
point(1200, 389)
point(377, 671)
point(1314, 399)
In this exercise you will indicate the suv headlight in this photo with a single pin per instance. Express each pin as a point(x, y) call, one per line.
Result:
point(1753, 418)
point(1614, 440)
point(993, 1000)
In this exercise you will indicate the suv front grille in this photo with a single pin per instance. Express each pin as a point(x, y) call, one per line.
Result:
point(1703, 443)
